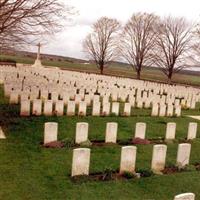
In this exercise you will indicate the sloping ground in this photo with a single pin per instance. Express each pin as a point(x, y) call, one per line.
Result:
point(29, 171)
point(115, 69)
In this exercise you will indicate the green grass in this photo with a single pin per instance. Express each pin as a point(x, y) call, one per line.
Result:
point(29, 171)
point(114, 69)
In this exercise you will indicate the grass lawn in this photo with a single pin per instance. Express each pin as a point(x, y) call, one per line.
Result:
point(114, 69)
point(29, 171)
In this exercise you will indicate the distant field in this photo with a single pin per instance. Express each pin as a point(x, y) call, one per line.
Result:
point(115, 69)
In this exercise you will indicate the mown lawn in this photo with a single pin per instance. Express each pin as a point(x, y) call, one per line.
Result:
point(29, 171)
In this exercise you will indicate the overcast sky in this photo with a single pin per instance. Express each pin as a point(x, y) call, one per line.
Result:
point(69, 41)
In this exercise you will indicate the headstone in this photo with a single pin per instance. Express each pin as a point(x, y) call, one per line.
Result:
point(71, 108)
point(192, 131)
point(185, 196)
point(2, 135)
point(140, 130)
point(183, 155)
point(48, 108)
point(96, 109)
point(44, 95)
point(178, 111)
point(14, 97)
point(158, 157)
point(115, 108)
point(170, 109)
point(80, 162)
point(59, 108)
point(54, 96)
point(82, 108)
point(106, 109)
point(162, 111)
point(111, 132)
point(37, 107)
point(50, 132)
point(81, 132)
point(127, 109)
point(128, 159)
point(155, 109)
point(25, 108)
point(170, 131)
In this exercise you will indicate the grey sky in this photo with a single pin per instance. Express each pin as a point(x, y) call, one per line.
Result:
point(69, 41)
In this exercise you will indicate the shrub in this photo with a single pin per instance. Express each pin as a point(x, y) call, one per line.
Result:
point(128, 175)
point(68, 142)
point(107, 174)
point(145, 172)
point(86, 143)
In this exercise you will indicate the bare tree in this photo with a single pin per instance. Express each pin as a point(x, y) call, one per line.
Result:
point(101, 44)
point(20, 19)
point(137, 41)
point(173, 45)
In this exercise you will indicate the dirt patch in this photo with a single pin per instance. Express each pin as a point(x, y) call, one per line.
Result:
point(55, 144)
point(140, 141)
point(171, 170)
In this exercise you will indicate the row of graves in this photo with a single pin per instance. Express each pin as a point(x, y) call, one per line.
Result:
point(49, 91)
point(57, 92)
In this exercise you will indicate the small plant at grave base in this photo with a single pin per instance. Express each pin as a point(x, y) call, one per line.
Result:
point(107, 174)
point(123, 142)
point(190, 168)
point(86, 143)
point(80, 179)
point(145, 172)
point(128, 175)
point(68, 142)
point(113, 115)
point(168, 141)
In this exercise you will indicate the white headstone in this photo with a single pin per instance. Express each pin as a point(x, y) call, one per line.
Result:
point(25, 108)
point(50, 132)
point(82, 108)
point(71, 108)
point(111, 132)
point(127, 109)
point(37, 107)
point(48, 107)
point(81, 132)
point(185, 196)
point(2, 135)
point(140, 130)
point(158, 157)
point(80, 162)
point(59, 108)
point(115, 108)
point(183, 155)
point(170, 131)
point(192, 131)
point(128, 159)
point(96, 108)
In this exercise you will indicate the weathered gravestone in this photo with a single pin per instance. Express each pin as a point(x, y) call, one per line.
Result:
point(50, 132)
point(128, 159)
point(80, 162)
point(81, 132)
point(111, 132)
point(158, 157)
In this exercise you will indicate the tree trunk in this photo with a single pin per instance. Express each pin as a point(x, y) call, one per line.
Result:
point(169, 81)
point(138, 74)
point(101, 69)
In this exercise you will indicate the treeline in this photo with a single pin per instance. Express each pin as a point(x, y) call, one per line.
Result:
point(169, 43)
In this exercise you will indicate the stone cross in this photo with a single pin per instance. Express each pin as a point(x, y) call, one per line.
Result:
point(39, 48)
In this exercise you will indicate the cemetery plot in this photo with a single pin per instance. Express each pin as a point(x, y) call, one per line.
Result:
point(108, 141)
point(74, 93)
